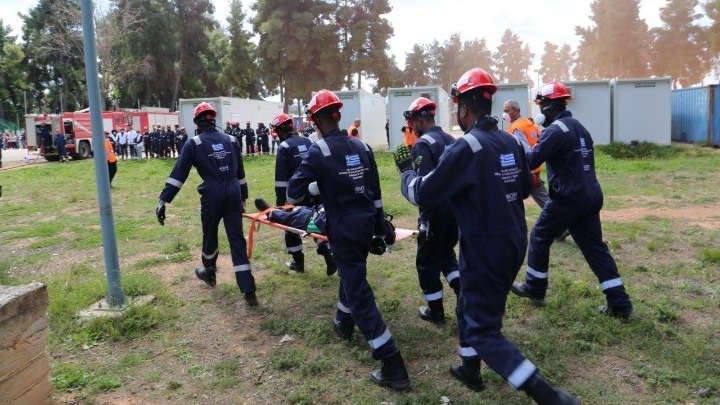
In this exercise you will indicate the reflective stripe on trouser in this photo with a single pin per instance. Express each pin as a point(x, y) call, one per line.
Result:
point(437, 255)
point(488, 266)
point(586, 230)
point(351, 235)
point(221, 200)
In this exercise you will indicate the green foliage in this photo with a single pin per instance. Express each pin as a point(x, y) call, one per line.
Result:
point(609, 47)
point(70, 377)
point(711, 256)
point(643, 150)
point(513, 58)
point(287, 358)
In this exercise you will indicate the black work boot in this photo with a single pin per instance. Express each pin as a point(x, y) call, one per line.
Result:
point(468, 372)
point(522, 290)
point(434, 312)
point(323, 249)
point(344, 330)
point(298, 262)
point(615, 312)
point(544, 393)
point(207, 275)
point(251, 299)
point(392, 374)
point(261, 204)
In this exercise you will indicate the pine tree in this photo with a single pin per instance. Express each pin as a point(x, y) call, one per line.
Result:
point(239, 66)
point(512, 59)
point(678, 49)
point(617, 45)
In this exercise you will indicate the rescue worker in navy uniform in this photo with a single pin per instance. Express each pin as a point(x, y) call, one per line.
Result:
point(437, 229)
point(237, 132)
point(263, 139)
point(147, 143)
point(292, 150)
point(349, 185)
point(485, 176)
point(181, 139)
point(46, 138)
point(249, 139)
point(575, 200)
point(223, 192)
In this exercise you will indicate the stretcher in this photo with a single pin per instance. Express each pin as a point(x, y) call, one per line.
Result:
point(258, 218)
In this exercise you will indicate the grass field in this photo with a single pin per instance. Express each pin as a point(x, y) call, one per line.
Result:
point(197, 345)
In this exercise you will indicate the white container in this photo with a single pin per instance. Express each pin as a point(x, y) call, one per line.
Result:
point(399, 99)
point(519, 92)
point(230, 109)
point(591, 105)
point(642, 110)
point(370, 108)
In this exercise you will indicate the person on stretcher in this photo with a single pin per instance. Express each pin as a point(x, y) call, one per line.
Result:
point(312, 220)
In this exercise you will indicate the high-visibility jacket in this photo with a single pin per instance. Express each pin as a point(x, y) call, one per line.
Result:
point(409, 137)
point(111, 158)
point(353, 131)
point(531, 134)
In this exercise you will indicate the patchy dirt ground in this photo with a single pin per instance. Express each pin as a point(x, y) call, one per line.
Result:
point(221, 327)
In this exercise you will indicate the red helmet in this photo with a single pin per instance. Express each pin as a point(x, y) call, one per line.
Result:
point(474, 78)
point(206, 109)
point(279, 120)
point(247, 122)
point(552, 91)
point(182, 128)
point(227, 123)
point(321, 100)
point(421, 106)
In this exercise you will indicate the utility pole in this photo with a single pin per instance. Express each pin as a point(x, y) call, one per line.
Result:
point(115, 294)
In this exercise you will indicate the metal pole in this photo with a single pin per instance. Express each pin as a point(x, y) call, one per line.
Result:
point(25, 101)
point(115, 293)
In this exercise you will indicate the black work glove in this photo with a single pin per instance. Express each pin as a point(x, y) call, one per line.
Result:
point(160, 212)
point(377, 245)
point(403, 159)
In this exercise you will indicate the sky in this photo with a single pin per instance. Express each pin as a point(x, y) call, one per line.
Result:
point(422, 21)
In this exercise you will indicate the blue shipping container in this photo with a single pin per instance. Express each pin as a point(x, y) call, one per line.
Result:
point(694, 118)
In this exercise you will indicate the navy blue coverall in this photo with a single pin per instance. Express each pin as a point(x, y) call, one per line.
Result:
point(485, 177)
point(349, 184)
point(574, 204)
point(290, 154)
point(437, 254)
point(249, 140)
point(217, 158)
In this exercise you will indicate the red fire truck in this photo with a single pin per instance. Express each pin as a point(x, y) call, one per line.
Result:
point(78, 131)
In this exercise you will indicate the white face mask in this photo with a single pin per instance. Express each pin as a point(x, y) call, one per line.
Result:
point(539, 119)
point(506, 117)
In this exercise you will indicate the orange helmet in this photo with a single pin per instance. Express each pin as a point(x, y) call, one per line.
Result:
point(552, 91)
point(421, 106)
point(206, 110)
point(280, 119)
point(321, 100)
point(474, 78)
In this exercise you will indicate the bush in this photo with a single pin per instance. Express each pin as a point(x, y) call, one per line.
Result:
point(641, 150)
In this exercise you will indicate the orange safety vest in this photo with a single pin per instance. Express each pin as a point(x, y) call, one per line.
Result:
point(110, 152)
point(530, 131)
point(409, 137)
point(352, 128)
